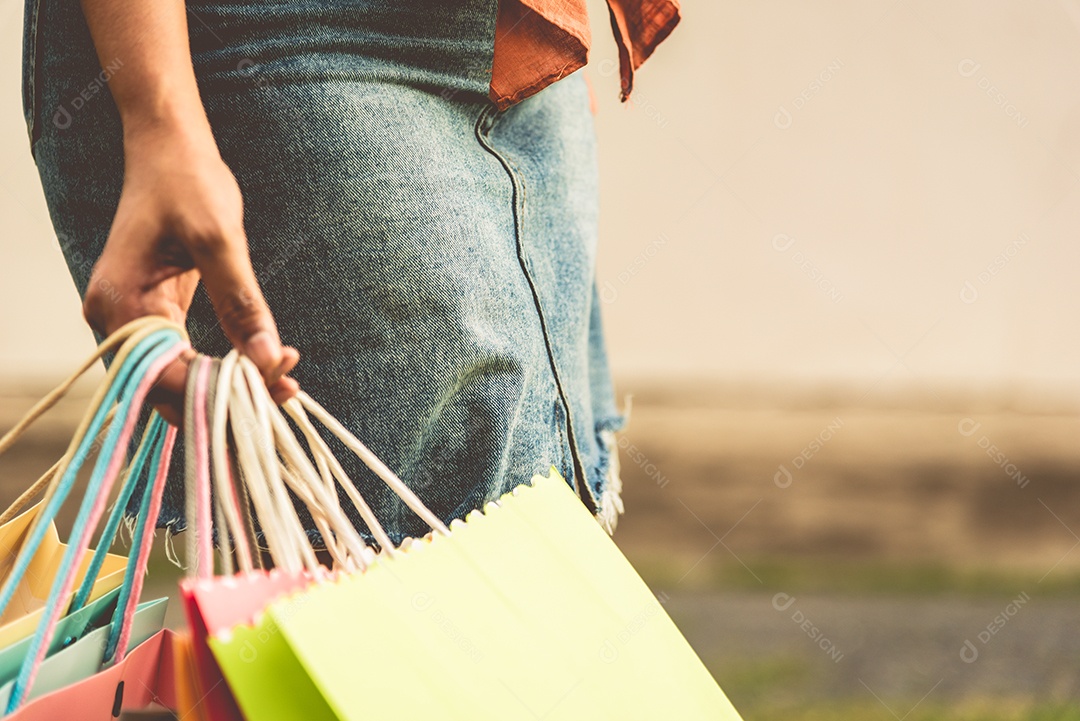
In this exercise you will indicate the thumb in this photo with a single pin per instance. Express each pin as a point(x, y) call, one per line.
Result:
point(245, 317)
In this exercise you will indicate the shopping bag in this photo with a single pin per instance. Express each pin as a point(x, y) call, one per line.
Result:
point(189, 693)
point(214, 604)
point(266, 676)
point(523, 610)
point(23, 613)
point(212, 697)
point(146, 351)
point(214, 607)
point(83, 659)
point(145, 678)
point(25, 609)
point(70, 629)
point(12, 534)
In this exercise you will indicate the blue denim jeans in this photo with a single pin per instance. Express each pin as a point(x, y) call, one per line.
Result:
point(432, 258)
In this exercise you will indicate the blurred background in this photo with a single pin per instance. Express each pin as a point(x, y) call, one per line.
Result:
point(838, 264)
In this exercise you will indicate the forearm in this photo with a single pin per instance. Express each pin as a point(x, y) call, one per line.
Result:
point(155, 90)
point(179, 219)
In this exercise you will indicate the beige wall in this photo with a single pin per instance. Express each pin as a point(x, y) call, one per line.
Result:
point(878, 196)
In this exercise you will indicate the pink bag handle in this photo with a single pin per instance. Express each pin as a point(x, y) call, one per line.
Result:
point(147, 543)
point(211, 484)
point(145, 383)
point(124, 339)
point(200, 552)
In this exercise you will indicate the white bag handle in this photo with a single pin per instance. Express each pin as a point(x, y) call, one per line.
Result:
point(331, 470)
point(302, 477)
point(372, 461)
point(251, 440)
point(275, 464)
point(227, 486)
point(271, 462)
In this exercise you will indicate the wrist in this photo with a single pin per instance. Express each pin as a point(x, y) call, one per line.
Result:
point(170, 121)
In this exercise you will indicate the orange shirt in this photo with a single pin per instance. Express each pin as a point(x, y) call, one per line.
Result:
point(540, 41)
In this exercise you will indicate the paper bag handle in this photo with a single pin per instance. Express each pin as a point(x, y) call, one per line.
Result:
point(160, 348)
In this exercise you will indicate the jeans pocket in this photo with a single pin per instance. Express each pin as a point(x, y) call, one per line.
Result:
point(31, 65)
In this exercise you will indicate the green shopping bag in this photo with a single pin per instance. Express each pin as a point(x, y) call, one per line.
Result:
point(49, 663)
point(83, 659)
point(70, 628)
point(525, 610)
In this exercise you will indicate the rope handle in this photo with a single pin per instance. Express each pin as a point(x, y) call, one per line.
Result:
point(200, 553)
point(147, 334)
point(259, 473)
point(334, 475)
point(266, 476)
point(53, 397)
point(302, 476)
point(143, 539)
point(373, 462)
point(217, 491)
point(283, 464)
point(159, 349)
point(226, 483)
point(150, 447)
point(138, 328)
point(93, 422)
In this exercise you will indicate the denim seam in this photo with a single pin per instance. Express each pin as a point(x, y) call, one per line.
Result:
point(564, 442)
point(484, 125)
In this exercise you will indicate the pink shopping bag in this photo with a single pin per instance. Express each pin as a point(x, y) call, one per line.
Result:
point(144, 678)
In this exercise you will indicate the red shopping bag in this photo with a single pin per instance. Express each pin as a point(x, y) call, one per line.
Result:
point(146, 677)
point(213, 604)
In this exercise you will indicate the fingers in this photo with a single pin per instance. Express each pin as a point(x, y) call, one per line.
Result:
point(283, 390)
point(128, 281)
point(114, 297)
point(177, 222)
point(245, 317)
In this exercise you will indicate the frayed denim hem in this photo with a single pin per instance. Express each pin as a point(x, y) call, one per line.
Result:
point(606, 471)
point(604, 477)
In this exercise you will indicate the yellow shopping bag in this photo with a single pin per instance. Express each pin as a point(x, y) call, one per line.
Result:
point(31, 591)
point(523, 610)
point(12, 535)
point(23, 613)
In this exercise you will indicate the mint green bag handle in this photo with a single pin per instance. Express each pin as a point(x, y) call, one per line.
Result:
point(148, 346)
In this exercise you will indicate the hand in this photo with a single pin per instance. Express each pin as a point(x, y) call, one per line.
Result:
point(180, 218)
